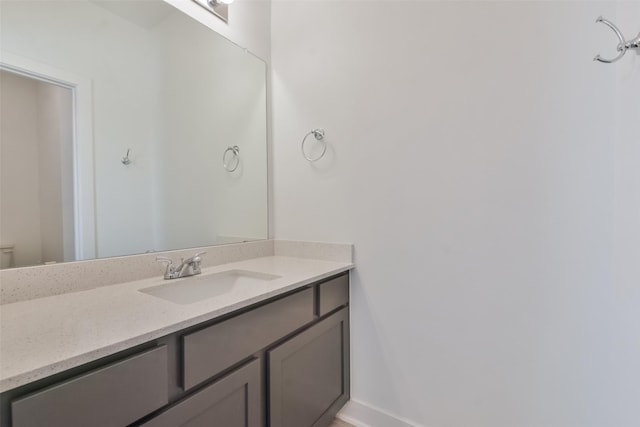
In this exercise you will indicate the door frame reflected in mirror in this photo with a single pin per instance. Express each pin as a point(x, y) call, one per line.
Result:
point(82, 143)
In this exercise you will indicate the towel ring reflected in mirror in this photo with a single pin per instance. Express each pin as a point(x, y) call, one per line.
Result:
point(318, 134)
point(231, 158)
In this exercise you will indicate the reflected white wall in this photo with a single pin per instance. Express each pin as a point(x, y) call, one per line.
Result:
point(225, 90)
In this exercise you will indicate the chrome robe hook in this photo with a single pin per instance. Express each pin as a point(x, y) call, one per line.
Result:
point(623, 46)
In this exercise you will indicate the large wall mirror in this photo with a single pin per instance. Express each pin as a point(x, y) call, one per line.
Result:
point(126, 127)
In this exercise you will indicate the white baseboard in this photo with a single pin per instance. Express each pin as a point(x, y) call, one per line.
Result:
point(363, 415)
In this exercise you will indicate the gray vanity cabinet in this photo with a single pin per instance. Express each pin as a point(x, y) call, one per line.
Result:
point(233, 401)
point(309, 374)
point(279, 363)
point(208, 351)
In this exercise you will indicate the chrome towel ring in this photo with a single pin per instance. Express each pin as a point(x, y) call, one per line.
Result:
point(623, 46)
point(318, 134)
point(234, 160)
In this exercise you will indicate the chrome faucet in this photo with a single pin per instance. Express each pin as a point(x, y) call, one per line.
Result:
point(187, 267)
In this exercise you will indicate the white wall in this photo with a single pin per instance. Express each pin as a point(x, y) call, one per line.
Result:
point(471, 162)
point(627, 157)
point(624, 297)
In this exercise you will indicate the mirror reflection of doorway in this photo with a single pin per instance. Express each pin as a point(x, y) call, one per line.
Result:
point(36, 192)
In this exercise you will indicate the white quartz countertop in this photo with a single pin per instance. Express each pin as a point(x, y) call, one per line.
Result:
point(45, 336)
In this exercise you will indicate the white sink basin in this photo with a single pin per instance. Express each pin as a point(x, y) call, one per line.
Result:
point(201, 287)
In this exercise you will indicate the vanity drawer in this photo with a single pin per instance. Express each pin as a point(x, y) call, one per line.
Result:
point(333, 294)
point(211, 350)
point(115, 395)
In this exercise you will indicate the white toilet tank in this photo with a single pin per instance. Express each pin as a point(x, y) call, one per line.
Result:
point(6, 255)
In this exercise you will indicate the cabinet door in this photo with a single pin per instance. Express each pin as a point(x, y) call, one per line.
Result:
point(309, 375)
point(233, 401)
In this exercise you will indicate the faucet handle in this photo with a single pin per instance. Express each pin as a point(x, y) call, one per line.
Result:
point(195, 261)
point(198, 254)
point(195, 258)
point(164, 259)
point(171, 269)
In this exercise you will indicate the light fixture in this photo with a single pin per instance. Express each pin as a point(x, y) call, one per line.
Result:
point(220, 8)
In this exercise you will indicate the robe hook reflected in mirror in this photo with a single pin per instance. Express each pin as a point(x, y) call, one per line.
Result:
point(126, 160)
point(623, 46)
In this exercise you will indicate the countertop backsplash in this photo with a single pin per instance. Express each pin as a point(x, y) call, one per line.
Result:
point(21, 284)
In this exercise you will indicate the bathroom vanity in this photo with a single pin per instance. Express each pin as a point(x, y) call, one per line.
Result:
point(259, 338)
point(278, 357)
